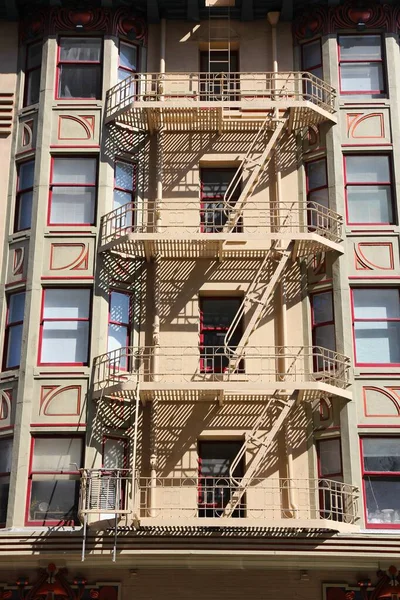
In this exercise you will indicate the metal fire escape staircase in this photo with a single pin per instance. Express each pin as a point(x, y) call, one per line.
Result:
point(263, 442)
point(258, 294)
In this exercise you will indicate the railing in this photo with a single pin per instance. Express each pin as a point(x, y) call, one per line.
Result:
point(180, 365)
point(258, 217)
point(227, 88)
point(269, 499)
point(105, 492)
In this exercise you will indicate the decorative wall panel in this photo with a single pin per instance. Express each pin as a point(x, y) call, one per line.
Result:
point(365, 126)
point(69, 257)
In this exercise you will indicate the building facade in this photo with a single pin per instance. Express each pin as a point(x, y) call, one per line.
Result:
point(200, 299)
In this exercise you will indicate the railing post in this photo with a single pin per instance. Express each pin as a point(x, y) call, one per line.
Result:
point(153, 485)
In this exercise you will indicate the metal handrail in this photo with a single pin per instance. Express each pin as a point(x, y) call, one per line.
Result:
point(189, 364)
point(242, 87)
point(194, 217)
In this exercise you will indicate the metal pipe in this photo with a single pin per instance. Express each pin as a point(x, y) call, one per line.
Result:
point(163, 45)
point(156, 323)
point(292, 502)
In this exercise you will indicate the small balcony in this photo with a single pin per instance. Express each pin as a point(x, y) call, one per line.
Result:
point(117, 497)
point(219, 102)
point(179, 229)
point(190, 373)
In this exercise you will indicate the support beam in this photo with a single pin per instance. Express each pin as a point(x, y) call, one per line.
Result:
point(153, 14)
point(192, 10)
point(287, 10)
point(247, 13)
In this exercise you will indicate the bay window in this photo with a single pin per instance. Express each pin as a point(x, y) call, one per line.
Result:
point(368, 189)
point(317, 192)
point(13, 330)
point(323, 326)
point(23, 205)
point(376, 324)
point(65, 326)
point(73, 191)
point(119, 319)
point(381, 480)
point(361, 65)
point(79, 67)
point(124, 193)
point(32, 73)
point(5, 470)
point(54, 480)
point(127, 61)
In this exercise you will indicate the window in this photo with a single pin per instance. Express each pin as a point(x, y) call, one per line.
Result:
point(128, 60)
point(216, 316)
point(381, 478)
point(65, 326)
point(368, 189)
point(317, 192)
point(73, 191)
point(54, 480)
point(23, 208)
point(5, 470)
point(311, 58)
point(79, 67)
point(360, 64)
point(323, 326)
point(330, 470)
point(119, 326)
point(376, 316)
point(32, 73)
point(214, 184)
point(13, 330)
point(124, 194)
point(215, 484)
point(219, 77)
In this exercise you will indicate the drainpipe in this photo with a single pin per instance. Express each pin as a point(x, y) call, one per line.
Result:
point(153, 485)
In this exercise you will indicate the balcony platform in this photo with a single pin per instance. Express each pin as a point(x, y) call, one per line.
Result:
point(181, 376)
point(178, 229)
point(219, 102)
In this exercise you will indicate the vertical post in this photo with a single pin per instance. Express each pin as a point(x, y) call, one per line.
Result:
point(153, 484)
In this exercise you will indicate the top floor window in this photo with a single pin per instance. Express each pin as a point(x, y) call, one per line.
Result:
point(361, 65)
point(128, 60)
point(311, 58)
point(79, 67)
point(32, 73)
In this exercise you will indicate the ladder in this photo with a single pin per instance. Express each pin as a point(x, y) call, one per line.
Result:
point(250, 169)
point(263, 442)
point(219, 43)
point(259, 295)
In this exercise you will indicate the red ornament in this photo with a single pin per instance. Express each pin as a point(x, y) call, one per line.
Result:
point(51, 568)
point(80, 18)
point(392, 570)
point(127, 25)
point(350, 595)
point(359, 16)
point(94, 593)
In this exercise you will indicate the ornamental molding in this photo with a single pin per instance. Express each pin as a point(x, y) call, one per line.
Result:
point(122, 22)
point(353, 14)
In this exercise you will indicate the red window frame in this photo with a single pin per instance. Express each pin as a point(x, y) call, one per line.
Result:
point(223, 328)
point(128, 70)
point(312, 68)
point(72, 185)
point(31, 474)
point(315, 326)
point(310, 190)
point(79, 62)
point(8, 327)
point(375, 475)
point(367, 183)
point(127, 325)
point(366, 320)
point(5, 474)
point(339, 474)
point(29, 71)
point(381, 61)
point(45, 320)
point(20, 191)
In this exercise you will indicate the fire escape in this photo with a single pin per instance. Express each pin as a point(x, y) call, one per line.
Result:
point(270, 107)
